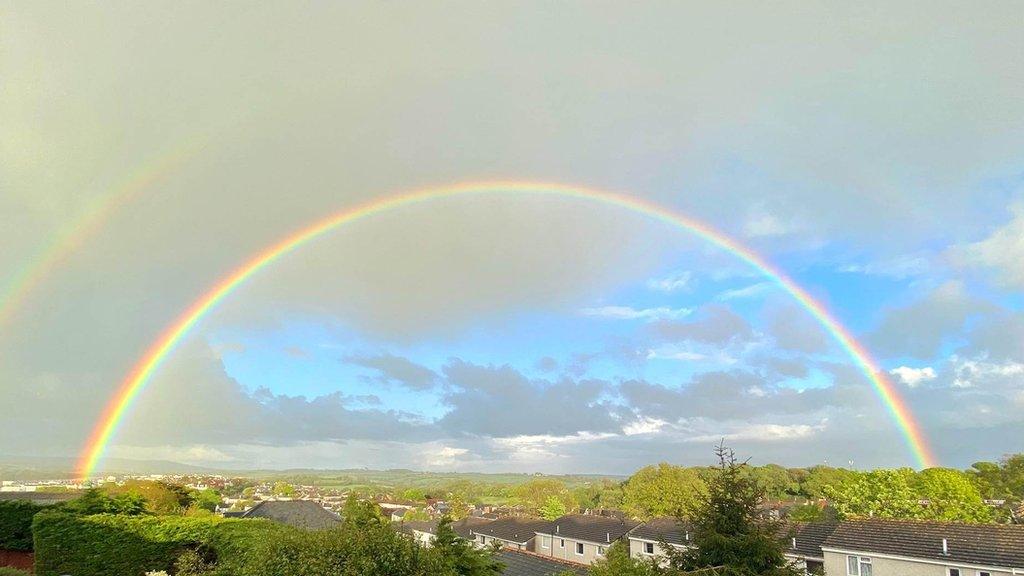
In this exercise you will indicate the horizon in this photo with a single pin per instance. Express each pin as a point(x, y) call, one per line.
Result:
point(512, 237)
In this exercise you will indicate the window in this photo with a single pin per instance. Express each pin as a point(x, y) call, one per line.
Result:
point(600, 550)
point(648, 547)
point(858, 566)
point(984, 573)
point(545, 541)
point(561, 542)
point(954, 572)
point(579, 548)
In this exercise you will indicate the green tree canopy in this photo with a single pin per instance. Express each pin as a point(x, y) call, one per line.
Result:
point(662, 490)
point(951, 495)
point(553, 508)
point(730, 533)
point(879, 493)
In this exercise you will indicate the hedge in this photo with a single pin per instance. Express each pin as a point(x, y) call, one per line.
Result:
point(16, 524)
point(115, 545)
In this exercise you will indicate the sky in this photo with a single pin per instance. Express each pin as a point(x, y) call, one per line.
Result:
point(870, 151)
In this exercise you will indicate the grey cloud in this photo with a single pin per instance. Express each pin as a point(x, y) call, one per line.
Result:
point(714, 324)
point(500, 401)
point(919, 328)
point(393, 368)
point(999, 338)
point(793, 329)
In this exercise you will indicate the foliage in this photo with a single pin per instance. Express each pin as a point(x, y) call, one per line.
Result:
point(97, 501)
point(879, 493)
point(819, 478)
point(662, 490)
point(415, 515)
point(462, 556)
point(458, 508)
point(535, 494)
point(414, 495)
point(160, 497)
point(8, 571)
point(807, 513)
point(204, 499)
point(112, 545)
point(618, 562)
point(729, 531)
point(284, 489)
point(951, 495)
point(16, 524)
point(552, 509)
point(1000, 481)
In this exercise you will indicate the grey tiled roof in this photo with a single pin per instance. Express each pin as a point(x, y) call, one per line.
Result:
point(995, 545)
point(667, 528)
point(591, 528)
point(518, 530)
point(809, 537)
point(299, 513)
point(526, 564)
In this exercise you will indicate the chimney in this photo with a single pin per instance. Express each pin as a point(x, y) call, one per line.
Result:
point(556, 528)
point(945, 547)
point(608, 537)
point(794, 543)
point(687, 536)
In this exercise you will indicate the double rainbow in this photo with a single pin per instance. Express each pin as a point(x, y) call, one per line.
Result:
point(136, 381)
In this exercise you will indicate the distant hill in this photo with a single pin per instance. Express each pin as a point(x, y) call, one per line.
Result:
point(52, 467)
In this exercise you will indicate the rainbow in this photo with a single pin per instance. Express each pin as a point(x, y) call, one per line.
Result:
point(30, 276)
point(119, 405)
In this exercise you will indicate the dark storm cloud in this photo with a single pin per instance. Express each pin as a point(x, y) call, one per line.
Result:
point(391, 368)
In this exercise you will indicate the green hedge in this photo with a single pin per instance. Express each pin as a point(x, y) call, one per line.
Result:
point(115, 545)
point(16, 524)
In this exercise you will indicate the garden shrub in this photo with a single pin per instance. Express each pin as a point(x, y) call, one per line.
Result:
point(16, 524)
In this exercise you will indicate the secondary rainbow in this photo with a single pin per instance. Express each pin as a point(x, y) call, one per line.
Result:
point(119, 405)
point(27, 279)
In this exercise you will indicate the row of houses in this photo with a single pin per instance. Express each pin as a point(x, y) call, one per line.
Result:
point(870, 547)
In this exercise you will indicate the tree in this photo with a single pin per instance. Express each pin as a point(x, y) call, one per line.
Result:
point(160, 497)
point(879, 493)
point(458, 508)
point(535, 494)
point(618, 562)
point(552, 509)
point(204, 499)
point(819, 478)
point(806, 513)
point(284, 489)
point(662, 490)
point(951, 495)
point(461, 555)
point(414, 495)
point(730, 533)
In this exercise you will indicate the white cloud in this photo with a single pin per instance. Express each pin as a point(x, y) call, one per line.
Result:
point(900, 268)
point(644, 425)
point(970, 372)
point(914, 376)
point(672, 283)
point(765, 432)
point(1002, 251)
point(630, 313)
point(765, 225)
point(750, 291)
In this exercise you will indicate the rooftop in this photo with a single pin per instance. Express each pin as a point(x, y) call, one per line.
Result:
point(809, 538)
point(298, 513)
point(600, 529)
point(665, 528)
point(996, 545)
point(518, 530)
point(519, 563)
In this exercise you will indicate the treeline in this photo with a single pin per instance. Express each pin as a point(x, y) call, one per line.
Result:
point(986, 492)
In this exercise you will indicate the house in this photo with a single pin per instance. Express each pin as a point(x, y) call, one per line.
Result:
point(519, 563)
point(877, 547)
point(424, 531)
point(802, 544)
point(512, 532)
point(581, 538)
point(298, 513)
point(646, 540)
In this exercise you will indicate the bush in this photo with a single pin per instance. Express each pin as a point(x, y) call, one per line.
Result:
point(7, 571)
point(109, 545)
point(16, 524)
